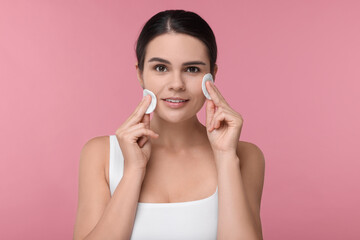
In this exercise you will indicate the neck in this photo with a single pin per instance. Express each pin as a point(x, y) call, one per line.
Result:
point(180, 135)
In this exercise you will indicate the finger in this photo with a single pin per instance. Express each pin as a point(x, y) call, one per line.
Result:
point(210, 111)
point(139, 112)
point(227, 116)
point(214, 123)
point(132, 128)
point(220, 115)
point(218, 92)
point(144, 132)
point(215, 94)
point(138, 131)
point(146, 120)
point(142, 141)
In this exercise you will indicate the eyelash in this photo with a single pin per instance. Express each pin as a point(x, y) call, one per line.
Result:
point(197, 69)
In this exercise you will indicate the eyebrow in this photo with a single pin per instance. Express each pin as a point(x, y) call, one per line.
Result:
point(157, 59)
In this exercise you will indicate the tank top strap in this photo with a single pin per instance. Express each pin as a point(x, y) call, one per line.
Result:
point(116, 164)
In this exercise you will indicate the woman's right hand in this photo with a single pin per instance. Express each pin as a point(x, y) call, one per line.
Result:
point(133, 137)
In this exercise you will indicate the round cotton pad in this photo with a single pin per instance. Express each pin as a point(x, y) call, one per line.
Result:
point(207, 77)
point(152, 105)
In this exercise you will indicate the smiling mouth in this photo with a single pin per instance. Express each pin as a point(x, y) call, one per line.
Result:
point(175, 100)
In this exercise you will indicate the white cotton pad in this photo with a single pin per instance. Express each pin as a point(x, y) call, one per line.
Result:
point(152, 105)
point(207, 77)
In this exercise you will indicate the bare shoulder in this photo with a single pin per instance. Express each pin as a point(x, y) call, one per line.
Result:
point(252, 168)
point(93, 190)
point(248, 151)
point(95, 152)
point(97, 146)
point(97, 143)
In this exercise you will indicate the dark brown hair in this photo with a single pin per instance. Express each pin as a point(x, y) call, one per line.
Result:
point(179, 21)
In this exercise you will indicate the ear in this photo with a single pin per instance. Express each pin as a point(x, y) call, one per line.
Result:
point(215, 71)
point(139, 75)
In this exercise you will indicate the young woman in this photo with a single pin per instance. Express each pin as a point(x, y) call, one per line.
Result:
point(172, 177)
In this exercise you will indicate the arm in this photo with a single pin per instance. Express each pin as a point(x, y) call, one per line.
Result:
point(100, 216)
point(240, 167)
point(240, 193)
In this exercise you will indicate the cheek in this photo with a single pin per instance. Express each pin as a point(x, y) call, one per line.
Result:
point(152, 83)
point(196, 88)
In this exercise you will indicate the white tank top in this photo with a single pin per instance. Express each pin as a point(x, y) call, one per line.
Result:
point(170, 221)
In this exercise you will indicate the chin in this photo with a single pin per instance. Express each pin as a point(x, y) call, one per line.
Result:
point(175, 117)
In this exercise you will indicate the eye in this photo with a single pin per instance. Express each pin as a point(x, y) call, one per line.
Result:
point(160, 67)
point(194, 69)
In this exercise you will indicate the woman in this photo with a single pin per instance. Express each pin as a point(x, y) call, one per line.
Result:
point(172, 177)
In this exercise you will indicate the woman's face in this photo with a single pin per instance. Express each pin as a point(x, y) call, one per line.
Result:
point(174, 66)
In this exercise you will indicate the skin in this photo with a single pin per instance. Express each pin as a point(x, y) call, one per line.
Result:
point(188, 160)
point(191, 147)
point(176, 80)
point(183, 141)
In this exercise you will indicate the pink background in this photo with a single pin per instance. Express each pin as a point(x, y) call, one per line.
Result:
point(290, 68)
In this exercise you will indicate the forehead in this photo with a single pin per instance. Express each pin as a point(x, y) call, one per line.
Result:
point(176, 47)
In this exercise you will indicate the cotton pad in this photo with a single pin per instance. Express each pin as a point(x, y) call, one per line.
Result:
point(207, 77)
point(152, 105)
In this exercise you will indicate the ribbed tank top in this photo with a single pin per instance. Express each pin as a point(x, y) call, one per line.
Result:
point(156, 221)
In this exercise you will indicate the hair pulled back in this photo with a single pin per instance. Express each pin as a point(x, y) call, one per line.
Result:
point(178, 21)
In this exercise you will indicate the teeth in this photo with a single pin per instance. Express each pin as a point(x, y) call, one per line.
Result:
point(176, 101)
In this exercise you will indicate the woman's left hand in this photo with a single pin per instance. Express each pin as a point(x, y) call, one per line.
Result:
point(223, 124)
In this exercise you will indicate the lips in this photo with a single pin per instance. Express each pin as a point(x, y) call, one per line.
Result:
point(175, 98)
point(181, 102)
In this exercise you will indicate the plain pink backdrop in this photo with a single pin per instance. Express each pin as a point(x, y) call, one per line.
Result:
point(290, 68)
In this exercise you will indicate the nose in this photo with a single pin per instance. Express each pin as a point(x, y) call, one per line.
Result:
point(177, 82)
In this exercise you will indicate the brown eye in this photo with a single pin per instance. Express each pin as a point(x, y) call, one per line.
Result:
point(160, 68)
point(193, 69)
